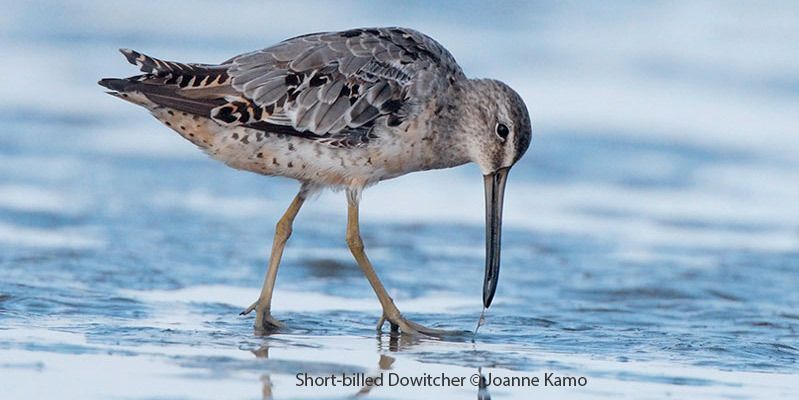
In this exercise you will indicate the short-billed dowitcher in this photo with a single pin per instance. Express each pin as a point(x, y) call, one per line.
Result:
point(342, 110)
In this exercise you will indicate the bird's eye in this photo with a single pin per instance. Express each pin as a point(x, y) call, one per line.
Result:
point(502, 131)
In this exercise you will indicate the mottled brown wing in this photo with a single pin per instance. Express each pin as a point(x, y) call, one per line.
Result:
point(334, 86)
point(330, 87)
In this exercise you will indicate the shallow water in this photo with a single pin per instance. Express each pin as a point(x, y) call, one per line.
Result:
point(651, 242)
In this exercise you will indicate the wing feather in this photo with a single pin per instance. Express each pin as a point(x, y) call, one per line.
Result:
point(338, 83)
point(332, 117)
point(333, 87)
point(330, 92)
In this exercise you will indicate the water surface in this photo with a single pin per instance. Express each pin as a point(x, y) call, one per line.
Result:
point(651, 243)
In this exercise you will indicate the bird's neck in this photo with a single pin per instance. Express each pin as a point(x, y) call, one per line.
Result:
point(457, 117)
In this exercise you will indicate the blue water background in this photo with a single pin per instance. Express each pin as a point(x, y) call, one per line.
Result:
point(654, 221)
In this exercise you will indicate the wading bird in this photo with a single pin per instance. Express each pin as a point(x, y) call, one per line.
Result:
point(341, 110)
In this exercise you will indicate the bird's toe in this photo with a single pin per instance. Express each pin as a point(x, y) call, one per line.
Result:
point(401, 324)
point(265, 323)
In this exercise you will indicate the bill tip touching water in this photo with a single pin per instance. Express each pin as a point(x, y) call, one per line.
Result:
point(342, 110)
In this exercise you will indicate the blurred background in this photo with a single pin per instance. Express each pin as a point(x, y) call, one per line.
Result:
point(652, 229)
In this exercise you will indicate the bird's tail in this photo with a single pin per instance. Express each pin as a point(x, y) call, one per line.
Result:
point(191, 88)
point(130, 89)
point(180, 95)
point(177, 73)
point(154, 66)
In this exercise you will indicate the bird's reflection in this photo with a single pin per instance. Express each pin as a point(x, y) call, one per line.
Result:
point(266, 390)
point(266, 379)
point(393, 342)
point(482, 388)
point(383, 364)
point(396, 342)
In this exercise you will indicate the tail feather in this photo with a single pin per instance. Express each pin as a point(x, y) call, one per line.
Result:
point(116, 84)
point(175, 101)
point(186, 76)
point(159, 95)
point(152, 65)
point(192, 88)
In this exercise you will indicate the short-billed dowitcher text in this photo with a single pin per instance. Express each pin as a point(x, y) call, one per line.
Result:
point(341, 110)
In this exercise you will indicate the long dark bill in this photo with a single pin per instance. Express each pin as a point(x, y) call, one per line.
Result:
point(495, 192)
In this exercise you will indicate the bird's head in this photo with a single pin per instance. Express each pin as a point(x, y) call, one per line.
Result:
point(499, 132)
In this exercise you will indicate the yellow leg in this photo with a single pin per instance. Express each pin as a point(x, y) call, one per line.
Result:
point(263, 317)
point(390, 311)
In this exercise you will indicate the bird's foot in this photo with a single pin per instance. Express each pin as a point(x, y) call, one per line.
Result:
point(267, 323)
point(264, 322)
point(401, 324)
